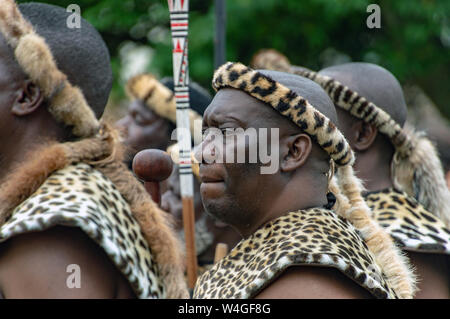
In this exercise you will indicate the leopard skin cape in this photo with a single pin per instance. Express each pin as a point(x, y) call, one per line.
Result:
point(411, 226)
point(80, 196)
point(313, 237)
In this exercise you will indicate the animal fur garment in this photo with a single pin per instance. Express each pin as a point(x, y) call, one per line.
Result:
point(158, 98)
point(104, 154)
point(324, 132)
point(270, 59)
point(66, 102)
point(421, 176)
point(416, 168)
point(390, 258)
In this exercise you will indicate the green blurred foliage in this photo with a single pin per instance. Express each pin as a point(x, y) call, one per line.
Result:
point(410, 42)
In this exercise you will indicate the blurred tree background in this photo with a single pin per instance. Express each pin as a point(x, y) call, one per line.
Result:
point(413, 41)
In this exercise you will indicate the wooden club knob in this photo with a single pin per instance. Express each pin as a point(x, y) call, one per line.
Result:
point(152, 165)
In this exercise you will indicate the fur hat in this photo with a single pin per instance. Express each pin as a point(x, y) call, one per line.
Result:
point(416, 168)
point(270, 59)
point(160, 99)
point(350, 204)
point(66, 102)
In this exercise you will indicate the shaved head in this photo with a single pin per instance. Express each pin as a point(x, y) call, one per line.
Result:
point(374, 83)
point(12, 68)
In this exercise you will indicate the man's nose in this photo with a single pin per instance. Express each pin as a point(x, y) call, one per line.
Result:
point(205, 151)
point(198, 152)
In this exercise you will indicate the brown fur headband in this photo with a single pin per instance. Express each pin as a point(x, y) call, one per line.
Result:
point(158, 98)
point(416, 168)
point(351, 205)
point(66, 102)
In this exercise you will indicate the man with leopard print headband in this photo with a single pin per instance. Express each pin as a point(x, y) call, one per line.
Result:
point(404, 177)
point(67, 201)
point(287, 224)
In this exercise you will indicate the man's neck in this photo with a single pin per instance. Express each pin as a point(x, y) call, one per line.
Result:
point(14, 156)
point(18, 148)
point(375, 173)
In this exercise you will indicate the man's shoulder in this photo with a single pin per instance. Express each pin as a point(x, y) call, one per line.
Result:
point(45, 261)
point(304, 282)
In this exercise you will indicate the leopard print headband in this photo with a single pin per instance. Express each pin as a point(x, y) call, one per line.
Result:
point(361, 108)
point(158, 98)
point(66, 102)
point(288, 104)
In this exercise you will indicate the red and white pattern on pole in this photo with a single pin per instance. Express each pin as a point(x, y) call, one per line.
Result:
point(179, 23)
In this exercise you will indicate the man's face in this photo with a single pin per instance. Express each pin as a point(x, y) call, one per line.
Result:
point(234, 193)
point(144, 128)
point(171, 199)
point(11, 78)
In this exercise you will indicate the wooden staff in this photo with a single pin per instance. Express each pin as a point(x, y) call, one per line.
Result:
point(179, 25)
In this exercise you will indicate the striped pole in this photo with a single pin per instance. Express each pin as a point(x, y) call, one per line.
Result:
point(179, 25)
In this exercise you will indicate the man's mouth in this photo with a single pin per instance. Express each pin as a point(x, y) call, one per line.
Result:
point(208, 175)
point(213, 184)
point(210, 179)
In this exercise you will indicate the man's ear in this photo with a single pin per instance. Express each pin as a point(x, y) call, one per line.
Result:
point(298, 148)
point(29, 98)
point(364, 135)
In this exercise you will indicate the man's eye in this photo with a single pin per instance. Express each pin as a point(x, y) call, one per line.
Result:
point(227, 130)
point(210, 130)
